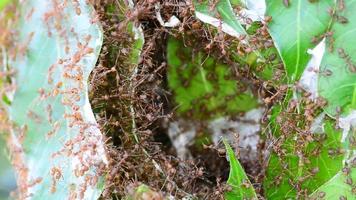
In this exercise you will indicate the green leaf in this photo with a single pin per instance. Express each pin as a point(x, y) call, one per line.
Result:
point(204, 88)
point(61, 140)
point(222, 16)
point(337, 186)
point(3, 3)
point(293, 27)
point(222, 10)
point(287, 169)
point(340, 87)
point(241, 186)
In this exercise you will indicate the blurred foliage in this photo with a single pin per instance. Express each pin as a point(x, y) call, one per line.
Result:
point(3, 3)
point(203, 87)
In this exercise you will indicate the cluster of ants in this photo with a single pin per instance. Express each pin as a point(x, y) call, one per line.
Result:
point(116, 88)
point(131, 101)
point(65, 80)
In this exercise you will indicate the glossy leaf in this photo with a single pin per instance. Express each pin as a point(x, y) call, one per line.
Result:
point(221, 14)
point(204, 88)
point(231, 25)
point(340, 87)
point(241, 186)
point(337, 187)
point(51, 107)
point(293, 27)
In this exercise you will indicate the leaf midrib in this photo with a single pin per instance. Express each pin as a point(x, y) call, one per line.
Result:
point(298, 42)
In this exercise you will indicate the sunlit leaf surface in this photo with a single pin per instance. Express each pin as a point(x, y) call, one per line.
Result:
point(292, 28)
point(221, 15)
point(339, 185)
point(339, 86)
